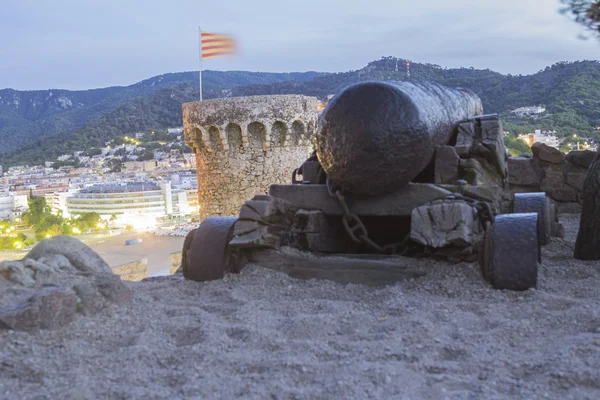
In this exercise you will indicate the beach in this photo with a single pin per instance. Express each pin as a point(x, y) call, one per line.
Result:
point(261, 334)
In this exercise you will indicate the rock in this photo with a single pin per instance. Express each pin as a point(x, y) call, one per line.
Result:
point(466, 134)
point(91, 300)
point(445, 222)
point(554, 184)
point(478, 171)
point(45, 291)
point(492, 140)
point(547, 153)
point(47, 308)
point(79, 255)
point(446, 165)
point(14, 271)
point(524, 172)
point(112, 288)
point(587, 245)
point(582, 158)
point(569, 208)
point(575, 176)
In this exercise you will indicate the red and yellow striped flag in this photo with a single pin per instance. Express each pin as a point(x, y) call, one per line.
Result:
point(214, 45)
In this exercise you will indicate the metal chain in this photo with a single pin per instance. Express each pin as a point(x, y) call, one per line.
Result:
point(356, 229)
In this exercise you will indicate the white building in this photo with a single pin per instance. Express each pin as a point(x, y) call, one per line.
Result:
point(64, 157)
point(175, 130)
point(59, 202)
point(539, 137)
point(138, 204)
point(12, 205)
point(526, 111)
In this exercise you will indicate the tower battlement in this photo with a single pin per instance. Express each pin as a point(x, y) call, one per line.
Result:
point(245, 144)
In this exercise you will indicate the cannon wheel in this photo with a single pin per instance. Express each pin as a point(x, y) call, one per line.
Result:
point(510, 253)
point(208, 257)
point(540, 204)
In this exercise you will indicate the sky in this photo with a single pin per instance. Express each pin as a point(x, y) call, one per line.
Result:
point(83, 44)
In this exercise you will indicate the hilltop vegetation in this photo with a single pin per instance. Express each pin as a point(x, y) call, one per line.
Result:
point(29, 115)
point(569, 91)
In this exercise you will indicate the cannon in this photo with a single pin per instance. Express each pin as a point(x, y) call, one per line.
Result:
point(400, 169)
point(378, 136)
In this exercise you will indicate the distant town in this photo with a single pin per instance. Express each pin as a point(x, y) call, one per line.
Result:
point(134, 182)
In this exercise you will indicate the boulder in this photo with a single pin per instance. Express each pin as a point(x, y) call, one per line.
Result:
point(524, 171)
point(547, 153)
point(582, 158)
point(79, 255)
point(58, 279)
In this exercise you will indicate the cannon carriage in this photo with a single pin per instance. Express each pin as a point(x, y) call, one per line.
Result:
point(400, 170)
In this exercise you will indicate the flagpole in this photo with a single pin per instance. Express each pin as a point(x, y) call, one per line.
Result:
point(200, 51)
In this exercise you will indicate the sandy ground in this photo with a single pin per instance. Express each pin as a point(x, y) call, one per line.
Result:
point(263, 335)
point(155, 248)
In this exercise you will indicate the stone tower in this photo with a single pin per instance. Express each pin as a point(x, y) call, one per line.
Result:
point(245, 144)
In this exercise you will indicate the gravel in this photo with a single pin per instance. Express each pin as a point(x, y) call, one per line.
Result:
point(262, 334)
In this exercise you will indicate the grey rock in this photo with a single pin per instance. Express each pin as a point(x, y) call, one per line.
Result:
point(445, 223)
point(59, 278)
point(91, 300)
point(113, 288)
point(56, 262)
point(48, 308)
point(547, 153)
point(582, 158)
point(524, 172)
point(569, 208)
point(15, 271)
point(446, 165)
point(79, 255)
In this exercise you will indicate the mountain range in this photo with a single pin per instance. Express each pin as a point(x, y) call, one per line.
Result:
point(40, 125)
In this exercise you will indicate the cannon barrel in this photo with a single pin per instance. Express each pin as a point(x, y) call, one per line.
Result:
point(375, 137)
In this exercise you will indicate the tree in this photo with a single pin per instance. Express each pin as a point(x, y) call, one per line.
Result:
point(585, 12)
point(37, 209)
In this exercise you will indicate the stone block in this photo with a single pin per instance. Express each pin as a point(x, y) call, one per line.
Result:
point(445, 223)
point(478, 171)
point(524, 171)
point(575, 176)
point(446, 165)
point(569, 208)
point(547, 153)
point(582, 158)
point(466, 134)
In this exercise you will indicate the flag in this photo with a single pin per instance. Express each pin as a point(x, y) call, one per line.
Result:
point(214, 45)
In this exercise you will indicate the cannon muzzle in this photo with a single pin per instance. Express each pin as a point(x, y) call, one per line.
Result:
point(375, 137)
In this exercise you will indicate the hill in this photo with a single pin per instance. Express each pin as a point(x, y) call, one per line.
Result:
point(26, 116)
point(569, 91)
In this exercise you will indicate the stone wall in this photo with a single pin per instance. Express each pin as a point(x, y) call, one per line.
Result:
point(245, 144)
point(550, 171)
